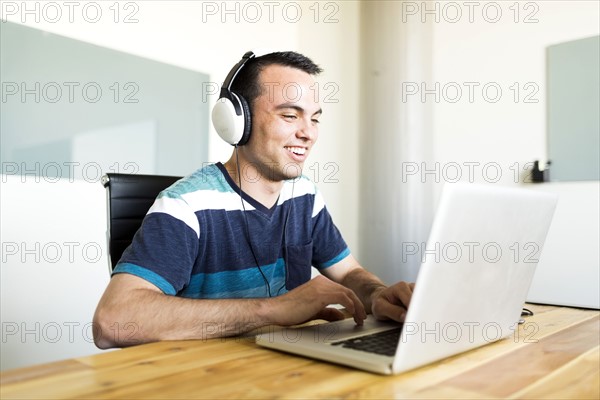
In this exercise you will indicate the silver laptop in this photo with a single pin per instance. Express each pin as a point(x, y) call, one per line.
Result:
point(476, 269)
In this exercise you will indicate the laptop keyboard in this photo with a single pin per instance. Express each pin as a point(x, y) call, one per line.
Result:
point(384, 343)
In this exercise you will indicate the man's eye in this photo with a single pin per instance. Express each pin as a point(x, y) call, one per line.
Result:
point(289, 116)
point(316, 121)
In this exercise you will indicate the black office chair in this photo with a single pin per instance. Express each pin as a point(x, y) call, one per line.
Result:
point(129, 198)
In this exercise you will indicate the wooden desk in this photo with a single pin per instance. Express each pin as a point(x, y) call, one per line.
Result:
point(554, 355)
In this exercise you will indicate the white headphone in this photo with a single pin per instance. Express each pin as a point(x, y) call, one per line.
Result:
point(231, 115)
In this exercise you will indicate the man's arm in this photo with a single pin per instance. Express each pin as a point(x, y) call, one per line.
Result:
point(382, 301)
point(133, 311)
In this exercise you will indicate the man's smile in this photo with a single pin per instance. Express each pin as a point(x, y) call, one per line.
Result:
point(296, 150)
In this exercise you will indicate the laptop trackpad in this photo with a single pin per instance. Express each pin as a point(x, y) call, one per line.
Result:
point(332, 332)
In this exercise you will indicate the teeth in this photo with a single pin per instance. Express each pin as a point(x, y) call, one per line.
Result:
point(297, 150)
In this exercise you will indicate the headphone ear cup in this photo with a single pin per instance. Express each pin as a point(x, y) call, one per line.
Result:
point(227, 123)
point(247, 114)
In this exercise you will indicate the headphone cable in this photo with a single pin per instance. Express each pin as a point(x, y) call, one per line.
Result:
point(237, 161)
point(285, 258)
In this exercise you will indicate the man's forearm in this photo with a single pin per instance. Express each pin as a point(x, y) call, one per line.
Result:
point(149, 316)
point(132, 311)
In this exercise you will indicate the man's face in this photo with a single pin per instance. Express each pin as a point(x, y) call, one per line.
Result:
point(284, 123)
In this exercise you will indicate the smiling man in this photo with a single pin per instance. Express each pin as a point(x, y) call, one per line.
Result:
point(230, 247)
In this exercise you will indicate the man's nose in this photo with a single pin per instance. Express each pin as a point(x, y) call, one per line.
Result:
point(307, 131)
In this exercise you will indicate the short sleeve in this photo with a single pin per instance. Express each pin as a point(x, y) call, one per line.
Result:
point(164, 249)
point(328, 245)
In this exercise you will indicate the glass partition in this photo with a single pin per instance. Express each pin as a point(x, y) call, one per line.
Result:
point(573, 110)
point(75, 110)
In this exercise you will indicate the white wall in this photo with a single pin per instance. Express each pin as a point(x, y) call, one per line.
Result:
point(568, 271)
point(512, 132)
point(54, 267)
point(419, 134)
point(509, 132)
point(394, 133)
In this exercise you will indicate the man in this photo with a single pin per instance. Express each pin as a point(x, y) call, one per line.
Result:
point(229, 248)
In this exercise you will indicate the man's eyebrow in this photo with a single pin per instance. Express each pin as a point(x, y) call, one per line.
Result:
point(297, 108)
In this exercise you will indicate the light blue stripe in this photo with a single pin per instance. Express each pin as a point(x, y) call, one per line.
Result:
point(345, 253)
point(277, 287)
point(237, 284)
point(207, 178)
point(146, 274)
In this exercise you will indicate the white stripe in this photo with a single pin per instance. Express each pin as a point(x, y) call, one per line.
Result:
point(302, 187)
point(215, 200)
point(177, 208)
point(319, 204)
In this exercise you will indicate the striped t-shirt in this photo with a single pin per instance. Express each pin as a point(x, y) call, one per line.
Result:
point(194, 243)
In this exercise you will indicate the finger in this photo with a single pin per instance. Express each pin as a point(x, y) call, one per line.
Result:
point(334, 293)
point(352, 303)
point(387, 310)
point(360, 313)
point(330, 314)
point(400, 294)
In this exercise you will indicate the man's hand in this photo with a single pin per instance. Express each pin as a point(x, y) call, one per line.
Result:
point(310, 301)
point(392, 302)
point(384, 302)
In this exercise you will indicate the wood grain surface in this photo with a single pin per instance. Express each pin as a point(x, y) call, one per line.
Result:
point(555, 354)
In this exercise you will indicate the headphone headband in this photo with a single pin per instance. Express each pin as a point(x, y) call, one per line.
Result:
point(226, 88)
point(231, 114)
point(249, 55)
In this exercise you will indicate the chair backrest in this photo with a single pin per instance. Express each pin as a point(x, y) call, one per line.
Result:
point(129, 198)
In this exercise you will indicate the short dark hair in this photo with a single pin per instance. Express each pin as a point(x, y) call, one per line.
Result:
point(247, 84)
